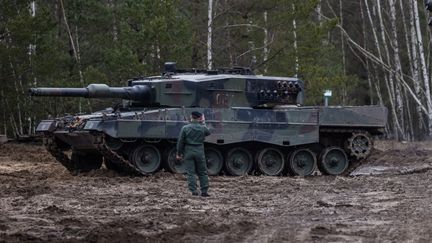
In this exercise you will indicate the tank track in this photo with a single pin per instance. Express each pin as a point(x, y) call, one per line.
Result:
point(124, 165)
point(59, 155)
point(353, 166)
point(354, 161)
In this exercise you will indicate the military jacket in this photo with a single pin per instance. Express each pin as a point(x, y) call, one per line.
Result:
point(192, 134)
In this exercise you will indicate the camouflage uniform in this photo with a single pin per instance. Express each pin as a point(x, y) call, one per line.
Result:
point(191, 145)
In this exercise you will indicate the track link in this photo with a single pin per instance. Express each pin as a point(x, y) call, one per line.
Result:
point(60, 156)
point(124, 165)
point(121, 163)
point(355, 162)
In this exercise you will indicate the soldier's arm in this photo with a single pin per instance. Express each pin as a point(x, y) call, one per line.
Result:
point(206, 130)
point(181, 142)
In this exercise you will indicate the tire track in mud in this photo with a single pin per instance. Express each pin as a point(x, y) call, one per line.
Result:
point(40, 201)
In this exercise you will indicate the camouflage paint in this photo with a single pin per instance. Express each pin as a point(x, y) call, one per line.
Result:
point(238, 109)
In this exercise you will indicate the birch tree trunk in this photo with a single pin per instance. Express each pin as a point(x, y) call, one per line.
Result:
point(415, 63)
point(344, 91)
point(378, 48)
point(74, 50)
point(368, 11)
point(318, 11)
point(112, 6)
point(406, 35)
point(410, 123)
point(397, 66)
point(252, 48)
point(423, 65)
point(367, 66)
point(19, 126)
point(78, 59)
point(265, 43)
point(32, 51)
point(209, 35)
point(228, 38)
point(297, 65)
point(390, 85)
point(195, 12)
point(410, 132)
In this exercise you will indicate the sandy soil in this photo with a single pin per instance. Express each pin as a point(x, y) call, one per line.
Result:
point(389, 200)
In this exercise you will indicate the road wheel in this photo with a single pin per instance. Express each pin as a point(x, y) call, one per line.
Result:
point(171, 163)
point(239, 161)
point(146, 158)
point(302, 162)
point(270, 161)
point(214, 161)
point(333, 161)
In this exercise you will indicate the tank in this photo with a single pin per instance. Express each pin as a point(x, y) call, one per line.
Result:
point(259, 125)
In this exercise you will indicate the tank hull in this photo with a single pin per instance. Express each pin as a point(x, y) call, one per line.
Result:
point(281, 130)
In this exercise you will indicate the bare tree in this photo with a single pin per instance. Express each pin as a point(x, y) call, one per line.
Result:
point(367, 62)
point(294, 23)
point(397, 66)
point(341, 19)
point(75, 48)
point(209, 35)
point(423, 65)
point(414, 59)
point(266, 49)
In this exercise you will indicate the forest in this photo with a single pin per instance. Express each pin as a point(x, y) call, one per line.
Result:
point(368, 52)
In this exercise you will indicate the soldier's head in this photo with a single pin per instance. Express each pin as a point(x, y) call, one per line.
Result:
point(195, 116)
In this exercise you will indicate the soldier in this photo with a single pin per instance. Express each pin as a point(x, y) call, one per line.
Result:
point(190, 148)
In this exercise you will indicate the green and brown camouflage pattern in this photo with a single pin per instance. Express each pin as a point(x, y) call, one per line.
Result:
point(194, 90)
point(280, 126)
point(241, 110)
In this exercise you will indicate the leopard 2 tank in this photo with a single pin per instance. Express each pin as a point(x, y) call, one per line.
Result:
point(258, 123)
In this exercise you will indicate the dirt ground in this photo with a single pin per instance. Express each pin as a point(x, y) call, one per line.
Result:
point(389, 199)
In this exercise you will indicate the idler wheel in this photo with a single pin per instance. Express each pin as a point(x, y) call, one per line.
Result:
point(334, 161)
point(146, 158)
point(214, 161)
point(302, 162)
point(239, 161)
point(171, 163)
point(360, 145)
point(85, 162)
point(271, 161)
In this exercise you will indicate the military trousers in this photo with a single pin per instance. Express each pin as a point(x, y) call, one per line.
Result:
point(195, 165)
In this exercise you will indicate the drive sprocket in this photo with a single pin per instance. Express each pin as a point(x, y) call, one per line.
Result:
point(360, 145)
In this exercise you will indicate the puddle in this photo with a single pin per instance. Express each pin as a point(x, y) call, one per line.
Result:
point(386, 170)
point(373, 170)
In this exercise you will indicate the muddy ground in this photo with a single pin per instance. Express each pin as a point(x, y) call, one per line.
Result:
point(390, 199)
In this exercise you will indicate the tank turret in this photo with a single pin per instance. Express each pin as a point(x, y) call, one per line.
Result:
point(195, 88)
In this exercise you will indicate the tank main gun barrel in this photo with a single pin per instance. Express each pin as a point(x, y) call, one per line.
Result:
point(136, 92)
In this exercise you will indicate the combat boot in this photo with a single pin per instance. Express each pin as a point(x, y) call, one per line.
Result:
point(205, 194)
